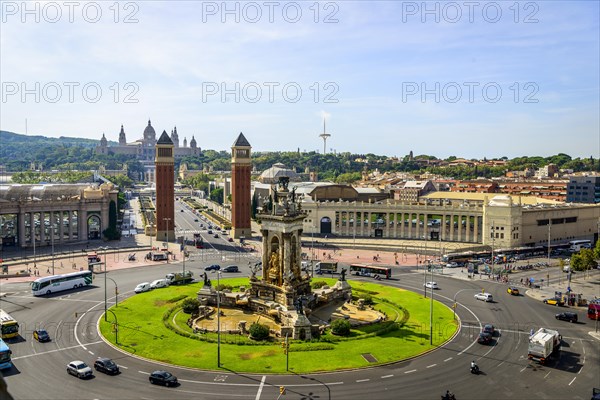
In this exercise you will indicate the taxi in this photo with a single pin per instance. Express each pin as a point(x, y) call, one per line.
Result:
point(513, 290)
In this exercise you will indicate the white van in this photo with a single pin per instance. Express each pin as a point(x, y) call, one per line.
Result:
point(142, 287)
point(159, 283)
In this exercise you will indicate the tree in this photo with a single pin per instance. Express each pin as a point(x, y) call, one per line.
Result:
point(216, 195)
point(190, 305)
point(112, 233)
point(259, 331)
point(340, 327)
point(597, 249)
point(122, 181)
point(577, 262)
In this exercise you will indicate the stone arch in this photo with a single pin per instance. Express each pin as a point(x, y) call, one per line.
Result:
point(94, 227)
point(325, 225)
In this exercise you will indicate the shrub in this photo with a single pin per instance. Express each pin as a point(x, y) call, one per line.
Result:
point(340, 327)
point(318, 284)
point(190, 305)
point(367, 298)
point(223, 286)
point(259, 331)
point(176, 299)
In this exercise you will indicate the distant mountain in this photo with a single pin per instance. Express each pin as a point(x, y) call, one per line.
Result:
point(7, 138)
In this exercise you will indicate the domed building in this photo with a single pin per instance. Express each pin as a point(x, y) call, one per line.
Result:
point(277, 171)
point(144, 149)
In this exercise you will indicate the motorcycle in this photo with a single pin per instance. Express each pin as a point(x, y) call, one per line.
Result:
point(475, 369)
point(448, 396)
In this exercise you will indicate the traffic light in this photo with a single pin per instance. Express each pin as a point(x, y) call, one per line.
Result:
point(281, 389)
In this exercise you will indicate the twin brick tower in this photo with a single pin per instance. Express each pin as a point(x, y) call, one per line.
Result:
point(241, 166)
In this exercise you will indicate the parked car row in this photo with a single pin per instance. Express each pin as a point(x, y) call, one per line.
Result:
point(217, 267)
point(105, 365)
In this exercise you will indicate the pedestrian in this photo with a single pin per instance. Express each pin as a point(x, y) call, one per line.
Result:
point(521, 281)
point(48, 270)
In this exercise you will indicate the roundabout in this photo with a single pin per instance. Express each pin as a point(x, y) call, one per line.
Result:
point(152, 326)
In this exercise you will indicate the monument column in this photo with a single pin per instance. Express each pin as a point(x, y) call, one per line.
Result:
point(241, 165)
point(165, 188)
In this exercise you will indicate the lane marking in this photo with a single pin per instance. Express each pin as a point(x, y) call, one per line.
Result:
point(260, 387)
point(572, 381)
point(362, 380)
point(547, 374)
point(144, 372)
point(54, 351)
point(386, 376)
point(448, 359)
point(412, 370)
point(432, 365)
point(523, 369)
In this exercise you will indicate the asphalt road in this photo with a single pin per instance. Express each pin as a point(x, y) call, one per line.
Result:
point(39, 370)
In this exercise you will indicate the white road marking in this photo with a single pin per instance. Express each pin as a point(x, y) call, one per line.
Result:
point(122, 366)
point(547, 374)
point(432, 365)
point(260, 387)
point(143, 372)
point(386, 376)
point(55, 350)
point(523, 369)
point(572, 381)
point(362, 380)
point(448, 359)
point(90, 352)
point(412, 370)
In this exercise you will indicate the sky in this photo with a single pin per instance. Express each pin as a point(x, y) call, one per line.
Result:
point(468, 79)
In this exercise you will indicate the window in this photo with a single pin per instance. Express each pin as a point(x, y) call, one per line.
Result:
point(542, 222)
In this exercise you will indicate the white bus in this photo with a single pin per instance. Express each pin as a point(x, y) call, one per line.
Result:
point(577, 245)
point(56, 283)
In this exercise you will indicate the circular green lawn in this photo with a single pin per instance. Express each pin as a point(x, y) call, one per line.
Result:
point(152, 325)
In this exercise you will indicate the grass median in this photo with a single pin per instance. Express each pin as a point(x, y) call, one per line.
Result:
point(405, 334)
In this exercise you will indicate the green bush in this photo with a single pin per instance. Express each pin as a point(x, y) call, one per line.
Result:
point(259, 331)
point(190, 305)
point(223, 287)
point(367, 298)
point(318, 284)
point(176, 299)
point(340, 327)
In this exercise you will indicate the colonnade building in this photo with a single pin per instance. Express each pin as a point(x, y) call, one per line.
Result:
point(54, 213)
point(502, 221)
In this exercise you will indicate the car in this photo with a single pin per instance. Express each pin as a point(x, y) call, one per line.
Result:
point(106, 365)
point(231, 268)
point(163, 378)
point(567, 316)
point(196, 220)
point(209, 232)
point(216, 235)
point(79, 369)
point(452, 265)
point(484, 296)
point(431, 285)
point(489, 328)
point(513, 290)
point(142, 287)
point(484, 338)
point(230, 239)
point(159, 283)
point(41, 335)
point(554, 302)
point(214, 267)
point(181, 210)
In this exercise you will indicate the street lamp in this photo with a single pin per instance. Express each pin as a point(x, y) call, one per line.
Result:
point(218, 320)
point(431, 309)
point(105, 284)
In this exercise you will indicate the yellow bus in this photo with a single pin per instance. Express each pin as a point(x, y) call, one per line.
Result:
point(9, 327)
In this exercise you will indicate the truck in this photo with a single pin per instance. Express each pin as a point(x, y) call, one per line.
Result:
point(180, 278)
point(326, 268)
point(542, 344)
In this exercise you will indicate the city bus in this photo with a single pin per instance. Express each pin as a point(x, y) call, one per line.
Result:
point(57, 283)
point(5, 354)
point(593, 311)
point(458, 258)
point(8, 326)
point(577, 245)
point(371, 270)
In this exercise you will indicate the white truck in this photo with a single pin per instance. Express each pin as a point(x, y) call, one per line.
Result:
point(179, 278)
point(542, 344)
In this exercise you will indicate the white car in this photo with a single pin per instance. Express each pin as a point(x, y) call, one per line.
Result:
point(484, 296)
point(431, 285)
point(142, 287)
point(452, 265)
point(79, 369)
point(159, 283)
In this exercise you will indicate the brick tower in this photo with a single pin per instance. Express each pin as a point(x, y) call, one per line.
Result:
point(165, 190)
point(241, 164)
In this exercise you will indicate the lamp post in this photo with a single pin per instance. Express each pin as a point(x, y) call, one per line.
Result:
point(492, 228)
point(105, 284)
point(218, 320)
point(431, 309)
point(52, 239)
